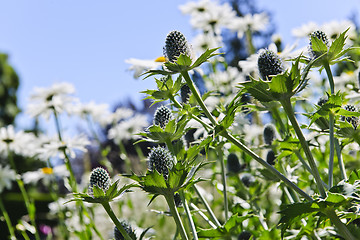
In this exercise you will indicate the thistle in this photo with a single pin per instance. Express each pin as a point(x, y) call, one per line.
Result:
point(269, 63)
point(233, 164)
point(162, 116)
point(354, 121)
point(270, 157)
point(175, 45)
point(247, 179)
point(185, 93)
point(269, 133)
point(128, 229)
point(99, 177)
point(323, 100)
point(160, 160)
point(321, 36)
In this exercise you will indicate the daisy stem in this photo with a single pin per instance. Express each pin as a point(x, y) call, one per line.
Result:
point(72, 179)
point(30, 206)
point(115, 220)
point(286, 103)
point(209, 210)
point(7, 220)
point(175, 214)
point(251, 48)
point(188, 214)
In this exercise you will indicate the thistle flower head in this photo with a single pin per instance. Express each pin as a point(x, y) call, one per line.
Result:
point(162, 116)
point(185, 93)
point(99, 177)
point(354, 121)
point(160, 160)
point(323, 100)
point(128, 229)
point(269, 133)
point(319, 35)
point(175, 45)
point(270, 157)
point(233, 164)
point(269, 63)
point(247, 179)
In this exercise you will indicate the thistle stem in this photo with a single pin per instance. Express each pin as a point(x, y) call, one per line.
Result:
point(175, 214)
point(188, 214)
point(197, 96)
point(239, 144)
point(290, 113)
point(115, 220)
point(223, 179)
point(340, 161)
point(332, 149)
point(266, 165)
point(203, 215)
point(203, 200)
point(341, 227)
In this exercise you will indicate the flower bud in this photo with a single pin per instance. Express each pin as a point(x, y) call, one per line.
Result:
point(269, 133)
point(269, 63)
point(128, 229)
point(244, 235)
point(354, 121)
point(160, 160)
point(185, 93)
point(99, 177)
point(162, 116)
point(233, 164)
point(177, 199)
point(175, 45)
point(270, 157)
point(247, 179)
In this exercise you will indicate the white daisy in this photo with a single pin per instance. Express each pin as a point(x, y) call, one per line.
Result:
point(7, 175)
point(55, 148)
point(45, 100)
point(45, 174)
point(139, 66)
point(127, 129)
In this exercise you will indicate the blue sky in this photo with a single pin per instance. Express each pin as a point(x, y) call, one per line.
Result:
point(86, 42)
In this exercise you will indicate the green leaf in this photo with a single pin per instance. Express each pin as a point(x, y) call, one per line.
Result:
point(318, 46)
point(259, 90)
point(98, 192)
point(337, 45)
point(184, 60)
point(204, 57)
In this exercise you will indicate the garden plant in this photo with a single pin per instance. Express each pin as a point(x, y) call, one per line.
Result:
point(266, 148)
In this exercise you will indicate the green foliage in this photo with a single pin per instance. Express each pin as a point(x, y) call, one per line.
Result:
point(9, 83)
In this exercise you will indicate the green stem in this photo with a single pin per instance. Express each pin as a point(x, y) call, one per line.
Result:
point(331, 150)
point(266, 165)
point(250, 45)
point(178, 105)
point(203, 215)
point(297, 153)
point(175, 214)
point(203, 200)
point(239, 144)
point(290, 113)
point(340, 161)
point(188, 214)
point(331, 124)
point(7, 220)
point(30, 206)
point(197, 96)
point(341, 227)
point(115, 220)
point(220, 154)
